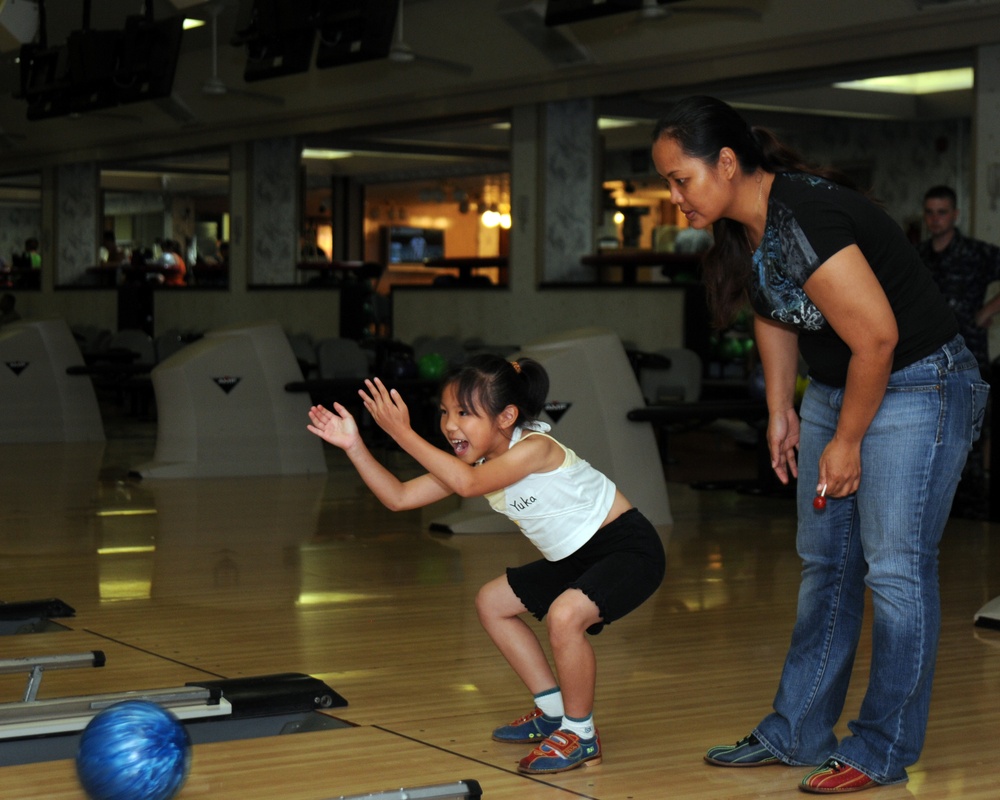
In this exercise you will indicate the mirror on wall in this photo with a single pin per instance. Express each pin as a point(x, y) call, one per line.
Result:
point(21, 231)
point(165, 221)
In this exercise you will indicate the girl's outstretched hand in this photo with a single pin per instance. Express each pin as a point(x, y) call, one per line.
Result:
point(338, 428)
point(386, 407)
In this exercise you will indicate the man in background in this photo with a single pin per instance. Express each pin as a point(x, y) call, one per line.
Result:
point(963, 267)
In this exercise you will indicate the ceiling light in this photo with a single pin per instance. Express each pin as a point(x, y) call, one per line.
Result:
point(321, 154)
point(610, 123)
point(190, 23)
point(945, 80)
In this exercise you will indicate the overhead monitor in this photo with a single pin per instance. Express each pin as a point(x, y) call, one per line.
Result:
point(148, 58)
point(279, 40)
point(95, 70)
point(355, 31)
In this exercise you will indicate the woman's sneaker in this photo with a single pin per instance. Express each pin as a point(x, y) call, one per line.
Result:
point(530, 728)
point(561, 751)
point(747, 752)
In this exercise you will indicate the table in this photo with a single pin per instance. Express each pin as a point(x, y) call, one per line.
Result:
point(465, 266)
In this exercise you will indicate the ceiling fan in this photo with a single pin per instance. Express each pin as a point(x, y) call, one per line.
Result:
point(401, 53)
point(214, 85)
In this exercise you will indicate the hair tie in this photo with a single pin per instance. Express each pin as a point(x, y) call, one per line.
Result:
point(516, 366)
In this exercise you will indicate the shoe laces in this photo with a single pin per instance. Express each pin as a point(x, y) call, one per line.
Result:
point(527, 717)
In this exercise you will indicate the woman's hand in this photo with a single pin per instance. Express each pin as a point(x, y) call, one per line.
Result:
point(386, 407)
point(783, 443)
point(840, 468)
point(338, 428)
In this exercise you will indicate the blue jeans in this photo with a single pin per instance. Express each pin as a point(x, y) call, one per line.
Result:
point(884, 537)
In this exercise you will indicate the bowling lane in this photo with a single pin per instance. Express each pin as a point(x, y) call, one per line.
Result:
point(310, 766)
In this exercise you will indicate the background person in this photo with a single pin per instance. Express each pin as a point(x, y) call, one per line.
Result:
point(175, 270)
point(963, 267)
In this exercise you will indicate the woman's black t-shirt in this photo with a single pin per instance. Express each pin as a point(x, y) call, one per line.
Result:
point(808, 221)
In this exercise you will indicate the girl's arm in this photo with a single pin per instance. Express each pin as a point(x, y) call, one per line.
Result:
point(778, 347)
point(846, 291)
point(535, 454)
point(341, 430)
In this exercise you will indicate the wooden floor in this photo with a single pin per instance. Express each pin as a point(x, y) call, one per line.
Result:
point(177, 580)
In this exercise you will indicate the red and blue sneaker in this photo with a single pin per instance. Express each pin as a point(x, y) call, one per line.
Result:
point(562, 751)
point(530, 728)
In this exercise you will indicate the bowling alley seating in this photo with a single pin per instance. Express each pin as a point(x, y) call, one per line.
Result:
point(40, 399)
point(119, 365)
point(135, 343)
point(676, 401)
point(305, 352)
point(337, 357)
point(223, 410)
point(672, 374)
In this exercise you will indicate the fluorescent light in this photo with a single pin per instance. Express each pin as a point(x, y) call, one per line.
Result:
point(610, 123)
point(190, 23)
point(945, 80)
point(603, 123)
point(325, 155)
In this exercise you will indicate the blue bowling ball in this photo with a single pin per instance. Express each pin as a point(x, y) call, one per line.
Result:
point(133, 750)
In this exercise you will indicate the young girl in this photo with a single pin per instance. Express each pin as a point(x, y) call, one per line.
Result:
point(602, 557)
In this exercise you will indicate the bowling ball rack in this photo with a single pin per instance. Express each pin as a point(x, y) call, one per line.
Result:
point(33, 729)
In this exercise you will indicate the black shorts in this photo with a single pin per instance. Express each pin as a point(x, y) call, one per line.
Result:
point(619, 568)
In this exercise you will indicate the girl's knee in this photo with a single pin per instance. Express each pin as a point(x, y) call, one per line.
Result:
point(485, 600)
point(496, 600)
point(572, 612)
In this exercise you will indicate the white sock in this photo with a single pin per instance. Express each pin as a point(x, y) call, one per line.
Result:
point(584, 728)
point(550, 702)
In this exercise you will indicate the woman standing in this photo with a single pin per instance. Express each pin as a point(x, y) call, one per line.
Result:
point(894, 403)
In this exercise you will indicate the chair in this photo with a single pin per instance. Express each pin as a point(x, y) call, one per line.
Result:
point(674, 378)
point(135, 341)
point(168, 343)
point(341, 358)
point(305, 353)
point(670, 376)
